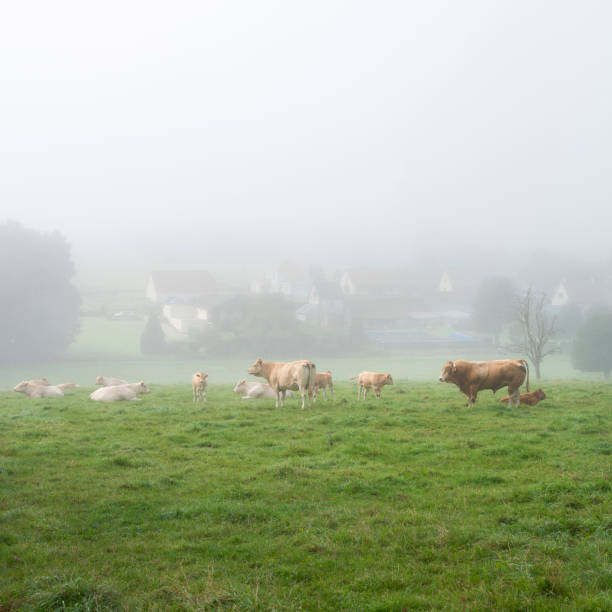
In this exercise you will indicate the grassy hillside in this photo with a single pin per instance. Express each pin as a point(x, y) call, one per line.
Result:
point(411, 502)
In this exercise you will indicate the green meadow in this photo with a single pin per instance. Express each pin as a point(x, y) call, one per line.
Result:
point(412, 502)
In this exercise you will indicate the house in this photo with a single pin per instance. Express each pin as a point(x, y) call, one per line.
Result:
point(366, 281)
point(326, 307)
point(294, 281)
point(583, 293)
point(185, 297)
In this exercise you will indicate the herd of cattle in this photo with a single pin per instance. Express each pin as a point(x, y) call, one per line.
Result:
point(283, 378)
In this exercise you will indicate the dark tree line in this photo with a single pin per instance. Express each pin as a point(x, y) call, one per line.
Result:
point(39, 306)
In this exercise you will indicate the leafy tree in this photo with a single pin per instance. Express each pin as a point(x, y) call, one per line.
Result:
point(538, 328)
point(152, 339)
point(494, 306)
point(39, 306)
point(592, 346)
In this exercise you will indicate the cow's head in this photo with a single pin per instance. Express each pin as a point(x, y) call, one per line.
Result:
point(388, 379)
point(142, 388)
point(240, 386)
point(99, 380)
point(540, 394)
point(448, 372)
point(21, 387)
point(257, 367)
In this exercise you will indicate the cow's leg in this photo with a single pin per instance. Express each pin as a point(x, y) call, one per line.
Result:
point(358, 392)
point(203, 395)
point(194, 394)
point(514, 395)
point(276, 394)
point(377, 393)
point(365, 392)
point(303, 394)
point(325, 392)
point(309, 390)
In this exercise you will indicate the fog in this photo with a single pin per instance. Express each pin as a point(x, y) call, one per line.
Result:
point(155, 134)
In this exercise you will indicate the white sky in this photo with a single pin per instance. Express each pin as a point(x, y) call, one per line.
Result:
point(323, 129)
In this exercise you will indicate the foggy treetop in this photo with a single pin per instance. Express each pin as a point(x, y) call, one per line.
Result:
point(352, 131)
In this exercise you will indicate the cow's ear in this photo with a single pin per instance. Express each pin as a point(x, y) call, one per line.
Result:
point(454, 367)
point(259, 360)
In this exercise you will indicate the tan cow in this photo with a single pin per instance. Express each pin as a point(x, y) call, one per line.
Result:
point(35, 390)
point(281, 375)
point(323, 380)
point(474, 376)
point(119, 393)
point(109, 381)
point(198, 384)
point(371, 380)
point(529, 399)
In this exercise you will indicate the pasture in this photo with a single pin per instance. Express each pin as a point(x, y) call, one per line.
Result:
point(410, 502)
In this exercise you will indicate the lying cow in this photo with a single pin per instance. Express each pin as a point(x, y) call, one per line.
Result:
point(281, 376)
point(36, 390)
point(109, 381)
point(474, 376)
point(323, 380)
point(529, 399)
point(119, 393)
point(256, 390)
point(371, 380)
point(198, 384)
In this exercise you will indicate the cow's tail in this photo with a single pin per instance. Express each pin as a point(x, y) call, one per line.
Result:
point(526, 366)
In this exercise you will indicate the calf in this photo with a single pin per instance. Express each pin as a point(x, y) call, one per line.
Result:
point(531, 399)
point(198, 383)
point(371, 380)
point(323, 380)
point(119, 393)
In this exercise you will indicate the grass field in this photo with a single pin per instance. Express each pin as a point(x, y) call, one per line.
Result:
point(410, 502)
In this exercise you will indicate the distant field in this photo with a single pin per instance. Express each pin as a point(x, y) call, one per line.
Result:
point(113, 348)
point(411, 502)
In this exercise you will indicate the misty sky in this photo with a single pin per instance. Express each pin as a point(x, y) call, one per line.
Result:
point(323, 129)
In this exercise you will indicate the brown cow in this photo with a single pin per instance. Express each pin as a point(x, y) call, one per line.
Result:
point(322, 381)
point(474, 376)
point(281, 375)
point(371, 380)
point(530, 399)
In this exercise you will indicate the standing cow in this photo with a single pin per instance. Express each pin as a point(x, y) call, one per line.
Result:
point(281, 376)
point(198, 384)
point(371, 380)
point(474, 376)
point(323, 380)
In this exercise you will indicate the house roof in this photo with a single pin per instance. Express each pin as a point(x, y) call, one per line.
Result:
point(184, 282)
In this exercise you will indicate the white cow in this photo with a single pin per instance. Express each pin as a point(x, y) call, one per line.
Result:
point(198, 383)
point(281, 376)
point(119, 393)
point(255, 390)
point(109, 381)
point(35, 390)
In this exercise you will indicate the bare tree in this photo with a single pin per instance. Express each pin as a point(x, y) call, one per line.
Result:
point(537, 328)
